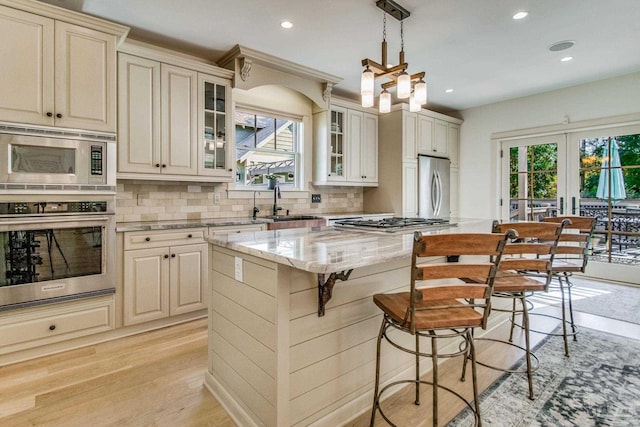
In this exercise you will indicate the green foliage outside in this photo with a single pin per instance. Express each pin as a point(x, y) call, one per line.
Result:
point(542, 166)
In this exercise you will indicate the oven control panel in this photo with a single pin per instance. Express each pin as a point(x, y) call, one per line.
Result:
point(10, 209)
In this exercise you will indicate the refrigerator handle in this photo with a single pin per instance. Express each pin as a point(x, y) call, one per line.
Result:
point(436, 193)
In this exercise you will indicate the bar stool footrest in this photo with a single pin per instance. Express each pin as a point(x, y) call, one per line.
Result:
point(534, 359)
point(430, 383)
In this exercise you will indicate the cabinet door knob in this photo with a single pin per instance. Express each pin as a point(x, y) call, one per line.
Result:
point(52, 327)
point(166, 256)
point(164, 166)
point(49, 114)
point(173, 255)
point(147, 239)
point(59, 115)
point(157, 165)
point(190, 235)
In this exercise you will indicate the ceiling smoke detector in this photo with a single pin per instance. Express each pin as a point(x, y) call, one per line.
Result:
point(563, 45)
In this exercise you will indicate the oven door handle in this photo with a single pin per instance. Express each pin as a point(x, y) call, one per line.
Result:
point(44, 222)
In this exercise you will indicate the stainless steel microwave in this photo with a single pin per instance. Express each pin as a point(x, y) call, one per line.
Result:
point(34, 156)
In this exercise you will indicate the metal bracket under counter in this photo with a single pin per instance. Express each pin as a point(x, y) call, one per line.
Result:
point(325, 287)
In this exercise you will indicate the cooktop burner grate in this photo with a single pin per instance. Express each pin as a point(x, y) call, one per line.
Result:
point(393, 223)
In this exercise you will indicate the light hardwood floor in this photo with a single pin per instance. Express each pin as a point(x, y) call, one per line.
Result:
point(156, 379)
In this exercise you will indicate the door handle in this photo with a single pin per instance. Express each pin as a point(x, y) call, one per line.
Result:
point(573, 206)
point(561, 205)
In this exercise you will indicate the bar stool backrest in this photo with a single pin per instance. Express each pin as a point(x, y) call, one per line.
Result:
point(478, 254)
point(532, 252)
point(575, 242)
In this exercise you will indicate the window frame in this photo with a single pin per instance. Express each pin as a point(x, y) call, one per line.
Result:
point(296, 154)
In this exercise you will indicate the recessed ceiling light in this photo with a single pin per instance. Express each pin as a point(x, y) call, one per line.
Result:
point(563, 45)
point(286, 24)
point(520, 15)
point(449, 90)
point(566, 59)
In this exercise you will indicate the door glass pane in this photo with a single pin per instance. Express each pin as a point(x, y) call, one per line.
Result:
point(533, 181)
point(610, 192)
point(214, 126)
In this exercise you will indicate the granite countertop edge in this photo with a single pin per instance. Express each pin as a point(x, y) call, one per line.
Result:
point(219, 222)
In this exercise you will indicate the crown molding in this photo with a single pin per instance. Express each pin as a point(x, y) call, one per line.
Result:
point(72, 17)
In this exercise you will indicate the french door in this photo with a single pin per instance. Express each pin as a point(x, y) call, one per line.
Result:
point(534, 177)
point(593, 173)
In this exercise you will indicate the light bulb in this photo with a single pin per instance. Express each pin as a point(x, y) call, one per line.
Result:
point(404, 85)
point(385, 102)
point(367, 101)
point(414, 105)
point(420, 91)
point(366, 82)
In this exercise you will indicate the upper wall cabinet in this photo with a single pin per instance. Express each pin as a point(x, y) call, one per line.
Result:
point(55, 73)
point(345, 146)
point(174, 120)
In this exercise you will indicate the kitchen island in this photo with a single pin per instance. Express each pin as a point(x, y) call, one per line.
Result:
point(286, 347)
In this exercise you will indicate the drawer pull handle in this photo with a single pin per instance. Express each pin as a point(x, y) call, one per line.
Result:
point(190, 236)
point(147, 239)
point(52, 327)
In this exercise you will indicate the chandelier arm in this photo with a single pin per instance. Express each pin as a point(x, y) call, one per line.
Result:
point(414, 77)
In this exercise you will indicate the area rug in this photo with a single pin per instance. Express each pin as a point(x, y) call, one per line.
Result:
point(599, 385)
point(609, 300)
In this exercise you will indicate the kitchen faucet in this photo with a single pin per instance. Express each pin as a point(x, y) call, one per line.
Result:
point(276, 196)
point(255, 209)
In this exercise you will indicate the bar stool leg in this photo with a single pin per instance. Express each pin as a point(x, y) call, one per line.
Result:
point(513, 319)
point(377, 385)
point(564, 318)
point(474, 375)
point(434, 370)
point(417, 401)
point(525, 322)
point(573, 323)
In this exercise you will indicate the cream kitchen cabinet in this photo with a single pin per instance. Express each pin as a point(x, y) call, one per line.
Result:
point(425, 132)
point(56, 73)
point(174, 120)
point(362, 147)
point(31, 327)
point(346, 146)
point(165, 273)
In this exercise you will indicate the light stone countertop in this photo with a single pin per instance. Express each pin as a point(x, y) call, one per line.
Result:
point(220, 222)
point(328, 249)
point(187, 223)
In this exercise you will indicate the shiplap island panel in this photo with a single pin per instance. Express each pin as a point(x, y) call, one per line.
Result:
point(273, 360)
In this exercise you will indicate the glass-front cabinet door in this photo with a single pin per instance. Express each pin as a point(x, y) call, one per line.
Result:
point(214, 126)
point(337, 144)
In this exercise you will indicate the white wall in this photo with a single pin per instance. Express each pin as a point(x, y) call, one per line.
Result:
point(479, 188)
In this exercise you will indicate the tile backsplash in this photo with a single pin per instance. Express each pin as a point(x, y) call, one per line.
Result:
point(160, 201)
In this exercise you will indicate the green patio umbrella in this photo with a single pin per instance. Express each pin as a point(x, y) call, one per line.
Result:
point(616, 179)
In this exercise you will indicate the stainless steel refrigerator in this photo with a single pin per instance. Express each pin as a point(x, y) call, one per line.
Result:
point(433, 187)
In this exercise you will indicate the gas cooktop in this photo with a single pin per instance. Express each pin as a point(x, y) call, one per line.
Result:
point(393, 224)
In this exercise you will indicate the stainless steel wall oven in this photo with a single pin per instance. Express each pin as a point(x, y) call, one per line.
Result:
point(55, 250)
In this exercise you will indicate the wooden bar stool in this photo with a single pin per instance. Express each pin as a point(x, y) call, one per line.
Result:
point(525, 268)
point(447, 309)
point(572, 255)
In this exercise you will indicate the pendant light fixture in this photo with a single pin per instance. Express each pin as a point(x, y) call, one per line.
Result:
point(396, 74)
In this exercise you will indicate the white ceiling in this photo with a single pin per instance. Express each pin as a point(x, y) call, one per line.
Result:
point(471, 46)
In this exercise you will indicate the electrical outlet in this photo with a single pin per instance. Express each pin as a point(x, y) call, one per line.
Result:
point(238, 269)
point(315, 198)
point(216, 198)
